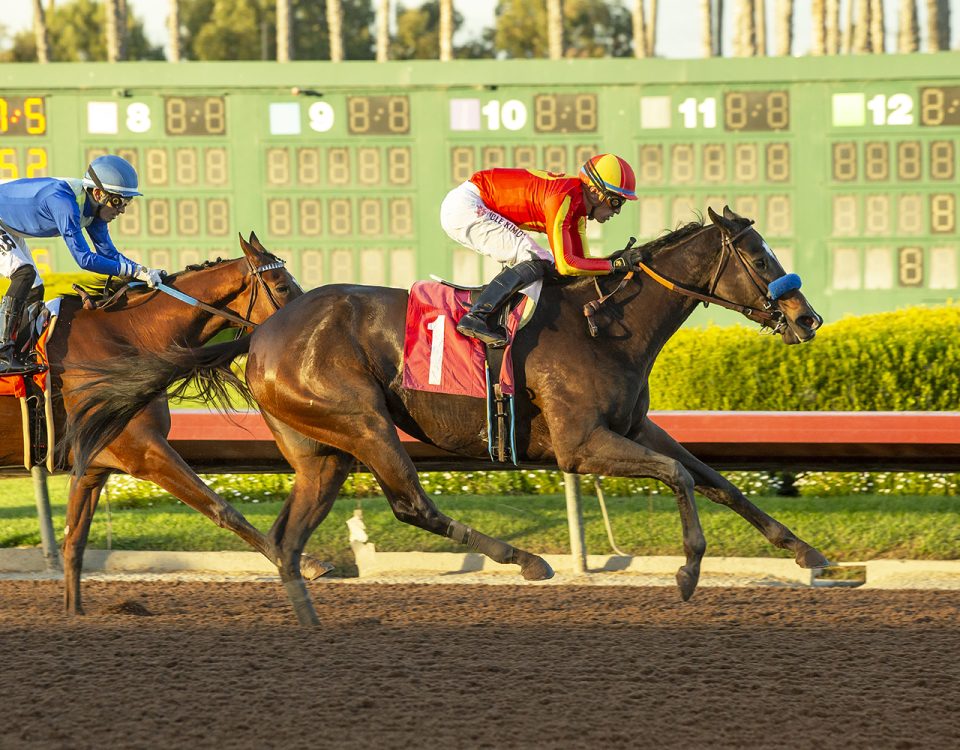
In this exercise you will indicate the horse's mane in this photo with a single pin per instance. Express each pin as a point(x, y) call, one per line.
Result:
point(668, 239)
point(672, 238)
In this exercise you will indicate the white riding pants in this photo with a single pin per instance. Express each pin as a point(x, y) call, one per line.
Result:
point(14, 253)
point(467, 220)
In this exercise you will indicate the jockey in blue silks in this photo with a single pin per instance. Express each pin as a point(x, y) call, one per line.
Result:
point(51, 207)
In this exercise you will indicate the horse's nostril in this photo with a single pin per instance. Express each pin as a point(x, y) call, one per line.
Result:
point(810, 322)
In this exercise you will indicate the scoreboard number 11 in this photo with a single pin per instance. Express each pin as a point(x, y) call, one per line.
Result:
point(690, 108)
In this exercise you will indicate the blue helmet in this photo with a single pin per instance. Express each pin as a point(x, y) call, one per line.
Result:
point(114, 174)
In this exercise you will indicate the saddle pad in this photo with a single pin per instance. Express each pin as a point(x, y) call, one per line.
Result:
point(12, 385)
point(15, 385)
point(435, 357)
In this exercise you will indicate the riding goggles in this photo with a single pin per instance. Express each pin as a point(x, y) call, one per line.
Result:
point(614, 200)
point(113, 200)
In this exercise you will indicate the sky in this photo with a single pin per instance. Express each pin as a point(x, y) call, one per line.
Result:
point(678, 28)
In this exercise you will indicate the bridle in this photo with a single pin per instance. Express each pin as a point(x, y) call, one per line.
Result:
point(242, 322)
point(258, 272)
point(768, 317)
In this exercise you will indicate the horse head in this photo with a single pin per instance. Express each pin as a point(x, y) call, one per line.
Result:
point(750, 275)
point(271, 285)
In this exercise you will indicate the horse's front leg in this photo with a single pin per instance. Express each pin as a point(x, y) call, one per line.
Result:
point(81, 505)
point(380, 449)
point(605, 452)
point(717, 488)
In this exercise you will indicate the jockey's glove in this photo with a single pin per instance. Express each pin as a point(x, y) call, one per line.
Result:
point(628, 259)
point(153, 276)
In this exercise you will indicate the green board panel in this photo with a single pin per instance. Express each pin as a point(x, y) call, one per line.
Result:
point(848, 165)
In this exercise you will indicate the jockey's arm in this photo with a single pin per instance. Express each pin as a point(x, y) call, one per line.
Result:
point(100, 234)
point(107, 260)
point(566, 228)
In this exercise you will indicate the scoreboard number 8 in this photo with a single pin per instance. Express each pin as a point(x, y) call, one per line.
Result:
point(910, 266)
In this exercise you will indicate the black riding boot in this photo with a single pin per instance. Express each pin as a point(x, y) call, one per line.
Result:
point(494, 296)
point(11, 309)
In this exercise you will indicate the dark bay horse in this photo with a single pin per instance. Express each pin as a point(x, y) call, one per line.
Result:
point(326, 372)
point(248, 289)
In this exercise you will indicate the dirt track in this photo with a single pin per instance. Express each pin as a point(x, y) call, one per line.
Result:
point(395, 666)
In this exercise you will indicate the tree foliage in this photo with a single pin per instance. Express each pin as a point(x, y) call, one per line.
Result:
point(247, 29)
point(591, 28)
point(418, 35)
point(77, 33)
point(233, 30)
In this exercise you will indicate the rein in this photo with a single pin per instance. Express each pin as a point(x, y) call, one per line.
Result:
point(768, 316)
point(243, 322)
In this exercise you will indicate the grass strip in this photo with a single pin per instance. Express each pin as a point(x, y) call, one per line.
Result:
point(846, 529)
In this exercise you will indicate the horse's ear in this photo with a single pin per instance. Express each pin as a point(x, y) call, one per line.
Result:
point(247, 248)
point(257, 245)
point(723, 222)
point(731, 215)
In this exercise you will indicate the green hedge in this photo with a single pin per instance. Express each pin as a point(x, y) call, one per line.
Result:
point(906, 360)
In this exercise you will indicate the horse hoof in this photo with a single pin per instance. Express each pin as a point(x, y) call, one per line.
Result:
point(537, 569)
point(811, 558)
point(687, 582)
point(311, 568)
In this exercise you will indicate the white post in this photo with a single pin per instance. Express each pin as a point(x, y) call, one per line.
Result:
point(571, 483)
point(47, 538)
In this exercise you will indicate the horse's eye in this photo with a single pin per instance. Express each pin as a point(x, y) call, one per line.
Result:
point(760, 264)
point(282, 289)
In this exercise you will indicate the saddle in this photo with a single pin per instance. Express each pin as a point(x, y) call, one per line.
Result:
point(437, 358)
point(33, 391)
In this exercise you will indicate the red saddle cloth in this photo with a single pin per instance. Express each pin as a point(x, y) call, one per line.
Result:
point(437, 358)
point(14, 385)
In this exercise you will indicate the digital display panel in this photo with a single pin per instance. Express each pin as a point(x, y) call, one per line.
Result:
point(195, 115)
point(338, 166)
point(564, 159)
point(565, 113)
point(378, 115)
point(23, 161)
point(23, 115)
point(940, 105)
point(756, 110)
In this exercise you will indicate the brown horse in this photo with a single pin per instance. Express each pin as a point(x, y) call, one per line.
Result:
point(326, 372)
point(244, 291)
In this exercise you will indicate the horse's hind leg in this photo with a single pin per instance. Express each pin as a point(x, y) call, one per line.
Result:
point(320, 473)
point(714, 486)
point(371, 437)
point(390, 464)
point(81, 504)
point(142, 451)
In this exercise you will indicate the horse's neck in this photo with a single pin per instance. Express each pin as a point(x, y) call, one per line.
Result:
point(658, 313)
point(163, 319)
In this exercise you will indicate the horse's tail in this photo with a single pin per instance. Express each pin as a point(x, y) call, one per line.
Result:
point(119, 389)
